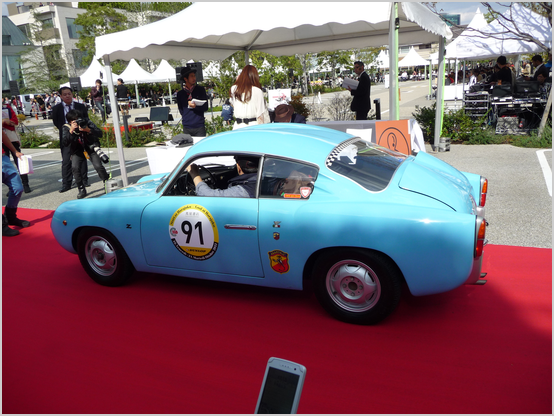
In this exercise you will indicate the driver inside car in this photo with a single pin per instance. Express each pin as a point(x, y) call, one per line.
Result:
point(241, 186)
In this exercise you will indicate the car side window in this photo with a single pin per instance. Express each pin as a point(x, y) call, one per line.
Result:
point(287, 179)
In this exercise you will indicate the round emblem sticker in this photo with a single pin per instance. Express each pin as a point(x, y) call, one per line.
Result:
point(193, 232)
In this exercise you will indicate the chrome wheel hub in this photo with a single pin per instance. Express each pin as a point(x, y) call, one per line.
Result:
point(353, 286)
point(101, 256)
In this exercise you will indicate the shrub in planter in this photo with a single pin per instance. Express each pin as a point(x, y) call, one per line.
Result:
point(33, 138)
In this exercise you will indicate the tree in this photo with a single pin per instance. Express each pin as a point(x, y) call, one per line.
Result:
point(99, 19)
point(333, 60)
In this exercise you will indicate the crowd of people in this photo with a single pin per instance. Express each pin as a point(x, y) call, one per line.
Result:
point(502, 72)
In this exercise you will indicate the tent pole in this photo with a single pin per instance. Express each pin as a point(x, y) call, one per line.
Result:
point(440, 94)
point(393, 64)
point(430, 78)
point(115, 116)
point(137, 94)
point(170, 96)
point(246, 57)
point(464, 79)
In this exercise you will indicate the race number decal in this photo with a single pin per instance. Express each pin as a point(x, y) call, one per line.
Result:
point(193, 232)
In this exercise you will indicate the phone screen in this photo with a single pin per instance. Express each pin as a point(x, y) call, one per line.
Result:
point(279, 391)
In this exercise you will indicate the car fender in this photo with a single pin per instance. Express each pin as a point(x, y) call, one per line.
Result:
point(433, 248)
point(119, 216)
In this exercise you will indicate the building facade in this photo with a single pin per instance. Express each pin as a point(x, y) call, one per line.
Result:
point(14, 44)
point(51, 26)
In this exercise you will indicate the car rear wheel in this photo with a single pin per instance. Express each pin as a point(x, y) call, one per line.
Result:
point(357, 286)
point(103, 258)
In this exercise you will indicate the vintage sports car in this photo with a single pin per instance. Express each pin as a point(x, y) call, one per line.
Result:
point(357, 219)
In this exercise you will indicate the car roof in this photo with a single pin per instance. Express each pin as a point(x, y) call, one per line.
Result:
point(293, 140)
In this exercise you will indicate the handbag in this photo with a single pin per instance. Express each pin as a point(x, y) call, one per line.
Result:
point(12, 134)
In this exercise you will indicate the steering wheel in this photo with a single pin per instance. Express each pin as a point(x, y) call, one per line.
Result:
point(186, 186)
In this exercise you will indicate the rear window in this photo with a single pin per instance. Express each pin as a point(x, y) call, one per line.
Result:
point(367, 164)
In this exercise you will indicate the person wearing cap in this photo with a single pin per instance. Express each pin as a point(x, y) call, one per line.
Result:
point(122, 96)
point(59, 113)
point(192, 114)
point(284, 113)
point(241, 186)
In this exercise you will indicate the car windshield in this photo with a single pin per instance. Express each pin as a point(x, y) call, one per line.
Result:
point(166, 177)
point(367, 164)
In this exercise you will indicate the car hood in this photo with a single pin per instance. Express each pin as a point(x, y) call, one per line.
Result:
point(429, 176)
point(146, 187)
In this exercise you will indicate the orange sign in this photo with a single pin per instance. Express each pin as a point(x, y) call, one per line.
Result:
point(394, 135)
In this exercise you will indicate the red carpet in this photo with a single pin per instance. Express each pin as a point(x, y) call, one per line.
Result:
point(171, 345)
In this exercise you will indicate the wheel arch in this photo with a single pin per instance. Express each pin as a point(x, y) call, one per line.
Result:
point(79, 230)
point(312, 260)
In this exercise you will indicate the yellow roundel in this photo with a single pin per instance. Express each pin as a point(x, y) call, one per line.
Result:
point(193, 232)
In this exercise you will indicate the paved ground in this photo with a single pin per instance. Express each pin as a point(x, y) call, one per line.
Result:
point(519, 205)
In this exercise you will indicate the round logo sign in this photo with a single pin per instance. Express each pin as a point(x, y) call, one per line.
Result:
point(394, 139)
point(193, 232)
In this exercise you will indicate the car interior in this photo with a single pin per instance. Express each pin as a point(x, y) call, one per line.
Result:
point(280, 178)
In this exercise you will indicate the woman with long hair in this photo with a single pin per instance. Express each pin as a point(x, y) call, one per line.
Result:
point(247, 99)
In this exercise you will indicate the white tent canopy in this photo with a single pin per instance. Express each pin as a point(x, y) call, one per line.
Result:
point(134, 73)
point(412, 59)
point(478, 22)
point(346, 26)
point(382, 60)
point(163, 73)
point(279, 31)
point(499, 37)
point(89, 77)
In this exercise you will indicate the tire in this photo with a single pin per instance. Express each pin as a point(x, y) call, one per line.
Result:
point(103, 258)
point(357, 286)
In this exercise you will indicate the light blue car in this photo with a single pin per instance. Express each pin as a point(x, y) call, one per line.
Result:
point(356, 219)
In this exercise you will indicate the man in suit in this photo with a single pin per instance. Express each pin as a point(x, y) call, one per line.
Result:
point(361, 103)
point(59, 112)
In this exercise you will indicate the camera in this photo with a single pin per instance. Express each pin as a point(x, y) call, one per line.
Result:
point(81, 123)
point(103, 156)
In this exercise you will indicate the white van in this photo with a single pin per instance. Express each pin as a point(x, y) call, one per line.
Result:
point(26, 102)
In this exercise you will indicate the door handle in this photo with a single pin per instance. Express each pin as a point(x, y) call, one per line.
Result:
point(240, 227)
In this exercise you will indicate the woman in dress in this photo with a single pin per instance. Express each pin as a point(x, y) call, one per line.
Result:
point(247, 99)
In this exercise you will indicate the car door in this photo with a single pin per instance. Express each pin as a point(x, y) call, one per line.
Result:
point(285, 220)
point(205, 234)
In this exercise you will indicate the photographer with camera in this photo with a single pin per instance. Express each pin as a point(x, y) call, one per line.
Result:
point(82, 137)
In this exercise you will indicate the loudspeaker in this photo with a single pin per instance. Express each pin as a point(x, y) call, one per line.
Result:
point(14, 88)
point(75, 84)
point(198, 67)
point(178, 74)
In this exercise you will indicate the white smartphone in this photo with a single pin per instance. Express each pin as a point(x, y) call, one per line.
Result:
point(282, 387)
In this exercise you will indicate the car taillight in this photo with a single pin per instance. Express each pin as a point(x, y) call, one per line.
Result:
point(484, 187)
point(481, 226)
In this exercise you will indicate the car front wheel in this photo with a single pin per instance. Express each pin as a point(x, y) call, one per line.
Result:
point(103, 258)
point(357, 286)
